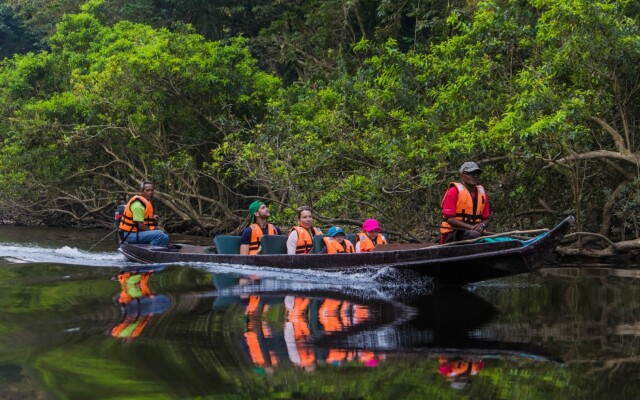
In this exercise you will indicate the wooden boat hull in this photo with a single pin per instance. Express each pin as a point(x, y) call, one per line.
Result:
point(450, 265)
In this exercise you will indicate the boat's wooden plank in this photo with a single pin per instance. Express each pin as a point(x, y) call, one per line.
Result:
point(402, 246)
point(195, 250)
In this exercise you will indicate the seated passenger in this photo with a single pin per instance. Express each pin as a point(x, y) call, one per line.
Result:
point(370, 237)
point(301, 237)
point(336, 242)
point(251, 236)
point(465, 207)
point(139, 224)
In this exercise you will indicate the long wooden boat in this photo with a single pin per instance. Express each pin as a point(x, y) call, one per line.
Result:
point(446, 264)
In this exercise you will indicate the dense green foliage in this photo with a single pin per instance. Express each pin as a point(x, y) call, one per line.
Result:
point(360, 109)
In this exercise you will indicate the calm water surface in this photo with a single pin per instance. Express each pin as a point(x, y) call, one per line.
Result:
point(76, 324)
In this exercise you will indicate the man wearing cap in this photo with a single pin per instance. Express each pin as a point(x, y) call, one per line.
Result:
point(336, 242)
point(465, 206)
point(251, 236)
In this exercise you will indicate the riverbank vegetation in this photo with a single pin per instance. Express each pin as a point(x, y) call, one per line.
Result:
point(357, 108)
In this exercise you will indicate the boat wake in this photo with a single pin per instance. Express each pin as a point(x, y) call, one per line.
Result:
point(378, 282)
point(18, 253)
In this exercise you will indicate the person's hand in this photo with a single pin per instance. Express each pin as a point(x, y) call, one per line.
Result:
point(479, 227)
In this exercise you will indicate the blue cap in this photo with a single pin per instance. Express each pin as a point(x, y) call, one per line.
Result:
point(334, 230)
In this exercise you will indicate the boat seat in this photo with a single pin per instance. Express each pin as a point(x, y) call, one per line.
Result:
point(318, 244)
point(227, 244)
point(274, 244)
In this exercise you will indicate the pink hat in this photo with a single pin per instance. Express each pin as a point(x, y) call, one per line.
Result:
point(370, 225)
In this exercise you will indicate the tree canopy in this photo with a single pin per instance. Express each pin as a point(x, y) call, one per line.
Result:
point(359, 109)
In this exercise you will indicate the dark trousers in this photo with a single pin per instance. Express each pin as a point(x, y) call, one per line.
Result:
point(459, 235)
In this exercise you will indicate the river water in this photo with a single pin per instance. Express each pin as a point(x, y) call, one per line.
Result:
point(79, 324)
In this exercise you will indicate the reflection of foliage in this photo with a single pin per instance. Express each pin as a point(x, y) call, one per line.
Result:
point(192, 351)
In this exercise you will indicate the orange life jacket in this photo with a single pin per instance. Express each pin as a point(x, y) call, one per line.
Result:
point(334, 247)
point(128, 224)
point(466, 209)
point(305, 241)
point(256, 236)
point(366, 244)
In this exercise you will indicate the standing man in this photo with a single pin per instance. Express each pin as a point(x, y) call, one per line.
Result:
point(252, 235)
point(139, 224)
point(465, 207)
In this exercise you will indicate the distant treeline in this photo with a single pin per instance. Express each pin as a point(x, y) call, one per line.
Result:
point(359, 109)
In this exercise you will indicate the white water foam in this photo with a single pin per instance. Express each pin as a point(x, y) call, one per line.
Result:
point(18, 253)
point(377, 282)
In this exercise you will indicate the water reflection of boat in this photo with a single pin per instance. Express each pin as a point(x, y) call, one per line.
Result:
point(456, 265)
point(313, 326)
point(137, 303)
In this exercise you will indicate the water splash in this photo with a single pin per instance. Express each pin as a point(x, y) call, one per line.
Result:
point(19, 253)
point(378, 282)
point(367, 281)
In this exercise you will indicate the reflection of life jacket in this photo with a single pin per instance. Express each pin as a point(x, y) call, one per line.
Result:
point(346, 314)
point(252, 335)
point(337, 356)
point(366, 244)
point(128, 224)
point(300, 352)
point(130, 328)
point(369, 358)
point(133, 286)
point(255, 352)
point(256, 236)
point(455, 368)
point(360, 314)
point(252, 307)
point(297, 330)
point(334, 247)
point(366, 356)
point(298, 310)
point(466, 209)
point(305, 241)
point(329, 315)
